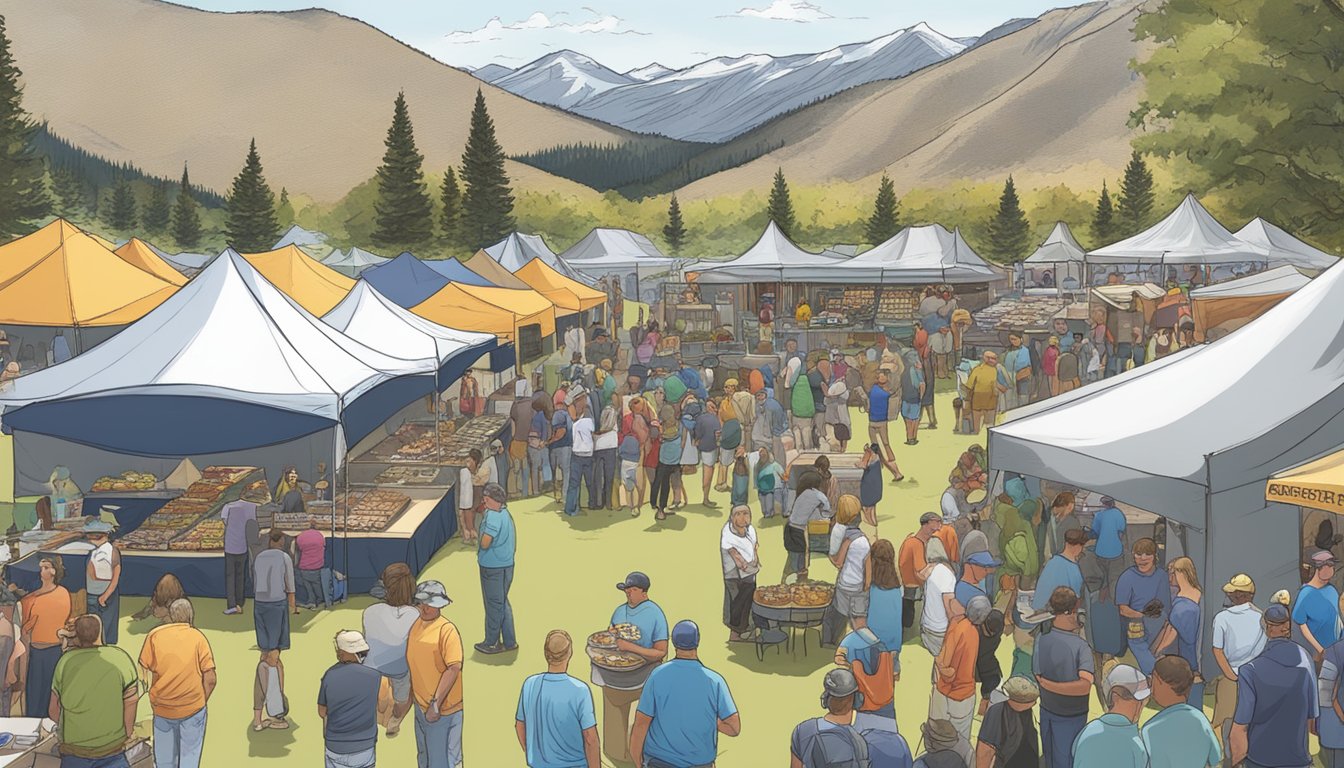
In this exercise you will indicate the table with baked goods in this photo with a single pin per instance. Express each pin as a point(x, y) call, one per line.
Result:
point(795, 608)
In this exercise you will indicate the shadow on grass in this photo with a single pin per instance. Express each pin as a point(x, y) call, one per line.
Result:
point(672, 523)
point(272, 742)
point(216, 621)
point(504, 659)
point(780, 660)
point(594, 520)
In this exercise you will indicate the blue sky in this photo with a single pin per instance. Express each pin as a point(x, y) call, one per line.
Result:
point(624, 34)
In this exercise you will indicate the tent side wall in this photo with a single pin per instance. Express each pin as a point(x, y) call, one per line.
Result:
point(1211, 313)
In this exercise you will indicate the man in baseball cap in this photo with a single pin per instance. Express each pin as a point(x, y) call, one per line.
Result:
point(1238, 637)
point(1316, 608)
point(1113, 738)
point(347, 702)
point(683, 708)
point(650, 644)
point(975, 575)
point(434, 656)
point(1272, 729)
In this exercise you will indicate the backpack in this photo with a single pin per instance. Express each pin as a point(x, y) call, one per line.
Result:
point(886, 748)
point(838, 747)
point(879, 688)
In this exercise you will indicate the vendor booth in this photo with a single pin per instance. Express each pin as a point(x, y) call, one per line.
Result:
point(517, 249)
point(1284, 249)
point(628, 255)
point(405, 280)
point(353, 262)
point(524, 317)
point(146, 257)
point(575, 298)
point(1194, 437)
point(1223, 308)
point(315, 287)
point(1058, 262)
point(1317, 490)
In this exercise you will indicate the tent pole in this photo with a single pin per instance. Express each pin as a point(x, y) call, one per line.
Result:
point(79, 341)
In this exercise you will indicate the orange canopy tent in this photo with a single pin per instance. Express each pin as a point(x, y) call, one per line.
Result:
point(315, 286)
point(501, 311)
point(562, 291)
point(137, 253)
point(493, 271)
point(61, 277)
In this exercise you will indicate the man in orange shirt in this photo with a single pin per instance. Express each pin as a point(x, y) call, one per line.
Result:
point(913, 564)
point(434, 656)
point(953, 696)
point(180, 673)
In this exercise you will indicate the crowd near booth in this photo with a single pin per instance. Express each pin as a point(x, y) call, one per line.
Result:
point(301, 277)
point(353, 262)
point(1198, 437)
point(1222, 308)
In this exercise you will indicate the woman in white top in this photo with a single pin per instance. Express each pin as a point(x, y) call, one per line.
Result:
point(386, 627)
point(741, 556)
point(466, 497)
point(849, 553)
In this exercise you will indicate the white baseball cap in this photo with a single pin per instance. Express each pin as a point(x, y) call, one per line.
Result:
point(1129, 678)
point(351, 641)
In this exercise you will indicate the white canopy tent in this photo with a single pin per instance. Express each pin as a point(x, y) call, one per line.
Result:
point(303, 238)
point(354, 261)
point(1189, 235)
point(1194, 437)
point(621, 253)
point(926, 254)
point(773, 258)
point(1061, 252)
point(514, 251)
point(376, 321)
point(1268, 283)
point(1284, 248)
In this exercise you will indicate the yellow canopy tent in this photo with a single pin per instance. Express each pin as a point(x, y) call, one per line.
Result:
point(562, 291)
point(315, 286)
point(108, 244)
point(137, 253)
point(1317, 484)
point(61, 277)
point(501, 311)
point(492, 270)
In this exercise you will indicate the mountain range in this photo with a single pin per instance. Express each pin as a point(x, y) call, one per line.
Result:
point(722, 98)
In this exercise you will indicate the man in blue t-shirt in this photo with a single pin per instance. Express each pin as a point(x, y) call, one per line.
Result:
point(683, 709)
point(561, 446)
point(556, 723)
point(1143, 595)
point(879, 404)
point(651, 645)
point(494, 557)
point(1277, 700)
point(347, 702)
point(1316, 609)
point(1108, 528)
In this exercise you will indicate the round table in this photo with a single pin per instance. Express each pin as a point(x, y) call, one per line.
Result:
point(791, 618)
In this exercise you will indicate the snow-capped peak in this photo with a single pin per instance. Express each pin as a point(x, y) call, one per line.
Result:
point(563, 78)
point(650, 72)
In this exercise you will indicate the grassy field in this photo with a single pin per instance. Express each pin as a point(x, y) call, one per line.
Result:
point(566, 573)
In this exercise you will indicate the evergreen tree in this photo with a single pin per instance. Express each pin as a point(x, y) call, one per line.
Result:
point(487, 204)
point(1009, 231)
point(404, 215)
point(1136, 196)
point(251, 226)
point(885, 221)
point(186, 223)
point(23, 188)
point(157, 212)
point(1103, 221)
point(70, 192)
point(120, 211)
point(450, 217)
point(780, 207)
point(675, 231)
point(284, 211)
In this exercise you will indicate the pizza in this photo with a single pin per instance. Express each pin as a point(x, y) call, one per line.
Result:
point(603, 639)
point(626, 632)
point(614, 659)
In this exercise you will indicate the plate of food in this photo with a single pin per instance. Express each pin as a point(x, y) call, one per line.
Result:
point(626, 632)
point(604, 639)
point(618, 660)
point(772, 598)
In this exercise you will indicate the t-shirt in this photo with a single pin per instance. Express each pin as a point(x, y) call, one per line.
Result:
point(498, 525)
point(540, 426)
point(1059, 572)
point(1109, 526)
point(432, 647)
point(629, 450)
point(1185, 619)
point(669, 450)
point(274, 576)
point(582, 440)
point(1059, 657)
point(910, 560)
point(960, 648)
point(851, 570)
point(91, 683)
point(562, 420)
point(941, 581)
point(177, 655)
point(983, 387)
point(1136, 590)
point(878, 401)
point(521, 415)
point(44, 614)
point(1276, 695)
point(1319, 610)
point(744, 545)
point(1110, 741)
point(810, 505)
point(686, 701)
point(1237, 631)
point(885, 609)
point(385, 630)
point(648, 617)
point(1180, 736)
point(769, 477)
point(1067, 365)
point(312, 549)
point(1003, 724)
point(350, 694)
point(730, 436)
point(817, 383)
point(1329, 728)
point(705, 432)
point(236, 515)
point(466, 491)
point(556, 709)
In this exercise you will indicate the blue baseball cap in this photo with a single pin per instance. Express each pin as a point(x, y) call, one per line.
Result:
point(1276, 614)
point(686, 635)
point(982, 559)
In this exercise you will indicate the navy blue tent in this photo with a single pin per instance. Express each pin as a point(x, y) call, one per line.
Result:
point(405, 280)
point(457, 272)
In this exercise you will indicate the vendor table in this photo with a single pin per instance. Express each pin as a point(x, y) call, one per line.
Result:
point(793, 619)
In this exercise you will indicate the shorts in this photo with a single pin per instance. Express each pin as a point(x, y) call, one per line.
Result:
point(842, 432)
point(911, 411)
point(709, 458)
point(727, 456)
point(271, 621)
point(629, 474)
point(401, 686)
point(690, 456)
point(518, 450)
point(851, 604)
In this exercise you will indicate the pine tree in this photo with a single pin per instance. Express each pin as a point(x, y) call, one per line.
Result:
point(23, 188)
point(675, 231)
point(1136, 196)
point(251, 225)
point(487, 203)
point(450, 217)
point(284, 211)
point(120, 212)
point(1103, 221)
point(70, 192)
point(186, 224)
point(780, 207)
point(404, 215)
point(157, 212)
point(885, 221)
point(1009, 231)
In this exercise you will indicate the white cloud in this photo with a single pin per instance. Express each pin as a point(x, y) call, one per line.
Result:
point(799, 11)
point(495, 29)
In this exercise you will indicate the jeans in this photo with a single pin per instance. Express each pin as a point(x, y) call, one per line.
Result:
point(771, 502)
point(111, 761)
point(1143, 657)
point(662, 485)
point(178, 743)
point(235, 572)
point(1057, 736)
point(580, 469)
point(560, 458)
point(109, 614)
point(365, 759)
point(1332, 758)
point(438, 744)
point(317, 583)
point(604, 470)
point(495, 584)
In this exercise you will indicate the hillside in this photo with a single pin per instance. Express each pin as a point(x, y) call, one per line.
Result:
point(1048, 102)
point(156, 84)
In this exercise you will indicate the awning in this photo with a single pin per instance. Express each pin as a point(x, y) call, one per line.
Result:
point(1123, 297)
point(570, 295)
point(501, 311)
point(1317, 484)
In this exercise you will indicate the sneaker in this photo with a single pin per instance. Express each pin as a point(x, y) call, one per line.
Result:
point(232, 611)
point(488, 650)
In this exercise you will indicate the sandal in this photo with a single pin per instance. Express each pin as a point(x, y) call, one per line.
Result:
point(279, 725)
point(660, 515)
